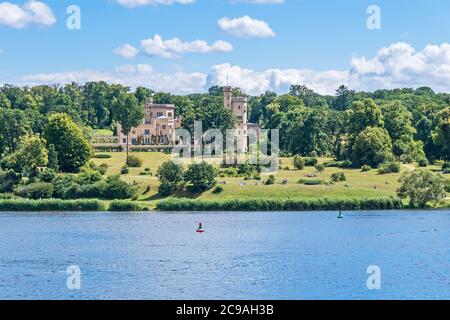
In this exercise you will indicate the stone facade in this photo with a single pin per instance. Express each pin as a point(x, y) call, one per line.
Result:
point(157, 128)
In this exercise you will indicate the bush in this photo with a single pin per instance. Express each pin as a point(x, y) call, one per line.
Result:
point(36, 191)
point(299, 163)
point(118, 189)
point(423, 163)
point(103, 168)
point(366, 168)
point(124, 206)
point(389, 167)
point(319, 167)
point(201, 176)
point(311, 162)
point(51, 205)
point(421, 186)
point(47, 176)
point(103, 156)
point(175, 204)
point(338, 177)
point(339, 164)
point(270, 180)
point(446, 167)
point(134, 162)
point(311, 182)
point(170, 175)
point(9, 179)
point(218, 189)
point(447, 186)
point(124, 170)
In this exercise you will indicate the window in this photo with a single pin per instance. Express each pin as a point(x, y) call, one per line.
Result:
point(159, 114)
point(147, 132)
point(170, 114)
point(164, 127)
point(124, 140)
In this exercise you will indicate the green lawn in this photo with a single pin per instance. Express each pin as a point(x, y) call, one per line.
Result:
point(359, 184)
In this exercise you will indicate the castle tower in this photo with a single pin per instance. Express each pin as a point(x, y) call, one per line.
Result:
point(239, 107)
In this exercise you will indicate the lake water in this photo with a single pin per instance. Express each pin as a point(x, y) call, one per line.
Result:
point(240, 256)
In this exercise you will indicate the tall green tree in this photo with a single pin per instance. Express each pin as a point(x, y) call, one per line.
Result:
point(372, 147)
point(421, 187)
point(72, 147)
point(128, 112)
point(13, 125)
point(441, 135)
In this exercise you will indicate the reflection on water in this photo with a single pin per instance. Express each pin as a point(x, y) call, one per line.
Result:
point(240, 256)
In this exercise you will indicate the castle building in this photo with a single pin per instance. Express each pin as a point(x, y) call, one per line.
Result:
point(239, 107)
point(157, 128)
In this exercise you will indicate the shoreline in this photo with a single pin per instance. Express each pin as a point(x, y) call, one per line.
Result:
point(189, 205)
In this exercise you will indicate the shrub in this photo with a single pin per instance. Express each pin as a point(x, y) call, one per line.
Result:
point(421, 187)
point(286, 168)
point(103, 156)
point(124, 206)
point(423, 163)
point(338, 177)
point(218, 189)
point(134, 162)
point(447, 186)
point(170, 174)
point(366, 168)
point(311, 162)
point(339, 164)
point(311, 182)
point(118, 189)
point(9, 179)
point(406, 158)
point(47, 176)
point(389, 167)
point(201, 176)
point(51, 205)
point(103, 168)
point(145, 173)
point(446, 167)
point(124, 170)
point(299, 163)
point(270, 180)
point(319, 167)
point(36, 191)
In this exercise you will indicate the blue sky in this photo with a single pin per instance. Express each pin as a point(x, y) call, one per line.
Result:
point(317, 42)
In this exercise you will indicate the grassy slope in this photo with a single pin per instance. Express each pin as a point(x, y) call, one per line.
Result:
point(361, 184)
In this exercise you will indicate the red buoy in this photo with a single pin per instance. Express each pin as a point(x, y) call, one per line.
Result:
point(200, 228)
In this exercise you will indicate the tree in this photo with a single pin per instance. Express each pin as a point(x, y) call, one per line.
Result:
point(344, 98)
point(13, 125)
point(30, 155)
point(299, 163)
point(372, 147)
point(73, 149)
point(128, 112)
point(441, 136)
point(398, 123)
point(142, 94)
point(170, 175)
point(202, 176)
point(421, 187)
point(365, 114)
point(4, 101)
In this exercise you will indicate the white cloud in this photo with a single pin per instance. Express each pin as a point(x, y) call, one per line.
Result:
point(396, 66)
point(130, 75)
point(127, 51)
point(32, 12)
point(278, 80)
point(400, 65)
point(173, 48)
point(246, 27)
point(140, 3)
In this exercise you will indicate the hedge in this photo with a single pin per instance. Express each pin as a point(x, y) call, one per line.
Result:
point(124, 206)
point(51, 205)
point(173, 204)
